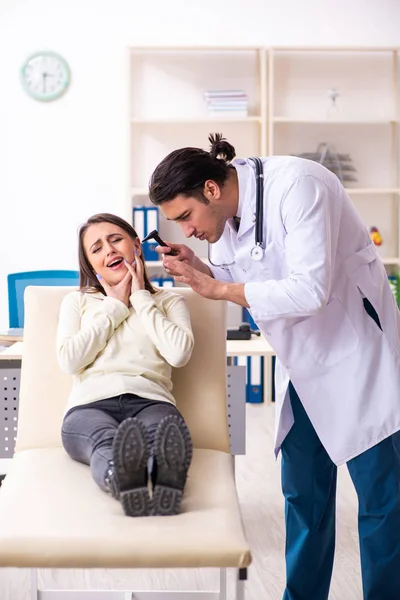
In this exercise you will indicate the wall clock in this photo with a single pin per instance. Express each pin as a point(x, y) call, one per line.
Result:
point(45, 76)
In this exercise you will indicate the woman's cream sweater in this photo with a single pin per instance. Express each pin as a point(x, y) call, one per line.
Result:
point(110, 349)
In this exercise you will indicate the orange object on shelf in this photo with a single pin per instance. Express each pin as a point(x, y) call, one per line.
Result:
point(376, 236)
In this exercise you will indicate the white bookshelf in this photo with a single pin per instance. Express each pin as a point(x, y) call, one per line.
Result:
point(321, 121)
point(168, 111)
point(204, 121)
point(288, 114)
point(366, 124)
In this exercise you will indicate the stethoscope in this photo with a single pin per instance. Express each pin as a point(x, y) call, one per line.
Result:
point(257, 251)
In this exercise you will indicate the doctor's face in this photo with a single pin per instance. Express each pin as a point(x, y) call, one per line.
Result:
point(203, 221)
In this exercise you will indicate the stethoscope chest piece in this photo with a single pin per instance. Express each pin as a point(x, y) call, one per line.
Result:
point(257, 253)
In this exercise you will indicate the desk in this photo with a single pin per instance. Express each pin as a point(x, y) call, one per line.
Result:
point(13, 352)
point(10, 336)
point(256, 346)
point(10, 372)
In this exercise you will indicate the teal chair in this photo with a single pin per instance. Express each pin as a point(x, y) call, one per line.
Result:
point(17, 283)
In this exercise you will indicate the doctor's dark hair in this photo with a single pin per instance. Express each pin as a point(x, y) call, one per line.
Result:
point(185, 171)
point(88, 281)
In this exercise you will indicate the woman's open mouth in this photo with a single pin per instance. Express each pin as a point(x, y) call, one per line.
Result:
point(116, 264)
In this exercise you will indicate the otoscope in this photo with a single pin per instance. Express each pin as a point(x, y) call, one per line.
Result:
point(153, 235)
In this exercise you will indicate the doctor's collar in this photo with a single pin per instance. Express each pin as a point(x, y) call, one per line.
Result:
point(244, 173)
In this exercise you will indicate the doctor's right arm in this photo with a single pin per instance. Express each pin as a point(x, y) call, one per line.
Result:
point(186, 254)
point(79, 344)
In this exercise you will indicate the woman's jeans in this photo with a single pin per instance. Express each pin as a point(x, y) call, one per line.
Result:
point(88, 431)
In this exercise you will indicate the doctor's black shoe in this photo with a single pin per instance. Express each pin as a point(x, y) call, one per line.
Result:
point(173, 452)
point(130, 456)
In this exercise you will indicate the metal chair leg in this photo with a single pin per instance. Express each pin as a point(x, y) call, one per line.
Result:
point(34, 584)
point(240, 581)
point(222, 584)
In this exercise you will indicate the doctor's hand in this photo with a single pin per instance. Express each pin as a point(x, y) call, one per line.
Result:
point(203, 284)
point(183, 253)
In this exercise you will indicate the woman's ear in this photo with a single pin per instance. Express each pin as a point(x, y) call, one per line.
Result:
point(138, 248)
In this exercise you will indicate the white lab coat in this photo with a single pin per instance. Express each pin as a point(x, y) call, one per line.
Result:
point(306, 296)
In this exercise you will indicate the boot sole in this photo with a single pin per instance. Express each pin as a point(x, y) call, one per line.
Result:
point(173, 454)
point(130, 455)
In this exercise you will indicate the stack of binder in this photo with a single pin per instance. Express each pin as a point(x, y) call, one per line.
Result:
point(254, 368)
point(162, 281)
point(232, 103)
point(145, 219)
point(254, 377)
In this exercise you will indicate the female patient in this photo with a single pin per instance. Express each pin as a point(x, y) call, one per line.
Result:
point(120, 338)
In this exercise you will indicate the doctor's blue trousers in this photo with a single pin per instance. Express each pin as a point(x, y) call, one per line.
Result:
point(309, 487)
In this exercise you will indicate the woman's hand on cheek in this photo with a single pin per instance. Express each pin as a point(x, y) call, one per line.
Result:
point(136, 269)
point(121, 291)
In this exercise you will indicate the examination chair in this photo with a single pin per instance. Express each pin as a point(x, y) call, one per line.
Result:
point(53, 515)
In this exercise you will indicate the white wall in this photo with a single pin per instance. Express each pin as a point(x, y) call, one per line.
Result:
point(61, 162)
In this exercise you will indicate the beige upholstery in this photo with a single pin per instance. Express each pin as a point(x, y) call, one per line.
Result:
point(52, 514)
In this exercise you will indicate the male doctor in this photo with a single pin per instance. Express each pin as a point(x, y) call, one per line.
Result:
point(301, 260)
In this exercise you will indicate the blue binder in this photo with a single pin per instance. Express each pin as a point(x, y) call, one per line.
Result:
point(247, 318)
point(145, 219)
point(139, 219)
point(254, 377)
point(255, 382)
point(161, 281)
point(167, 282)
point(151, 222)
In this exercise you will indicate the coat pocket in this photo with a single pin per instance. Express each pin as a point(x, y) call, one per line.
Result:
point(273, 265)
point(329, 336)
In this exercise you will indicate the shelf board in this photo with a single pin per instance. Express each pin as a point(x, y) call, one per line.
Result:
point(334, 121)
point(139, 191)
point(195, 121)
point(142, 191)
point(153, 264)
point(140, 49)
point(294, 49)
point(158, 263)
point(371, 191)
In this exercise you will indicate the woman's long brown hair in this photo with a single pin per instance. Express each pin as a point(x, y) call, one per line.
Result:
point(88, 281)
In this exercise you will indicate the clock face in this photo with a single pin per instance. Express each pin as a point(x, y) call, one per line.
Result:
point(45, 76)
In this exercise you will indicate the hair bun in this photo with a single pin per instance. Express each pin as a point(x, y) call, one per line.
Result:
point(220, 148)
